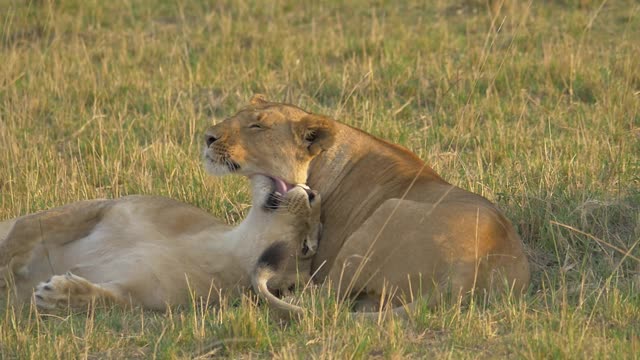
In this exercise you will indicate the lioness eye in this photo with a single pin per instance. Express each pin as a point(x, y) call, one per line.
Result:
point(255, 126)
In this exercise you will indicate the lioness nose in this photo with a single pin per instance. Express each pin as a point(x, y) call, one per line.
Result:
point(209, 139)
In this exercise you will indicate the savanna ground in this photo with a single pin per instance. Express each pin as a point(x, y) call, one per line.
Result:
point(534, 105)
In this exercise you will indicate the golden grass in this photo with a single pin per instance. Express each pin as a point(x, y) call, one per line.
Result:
point(535, 106)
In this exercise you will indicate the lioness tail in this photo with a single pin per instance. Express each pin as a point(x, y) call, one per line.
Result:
point(272, 261)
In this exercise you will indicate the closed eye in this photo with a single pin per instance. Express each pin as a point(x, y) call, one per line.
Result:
point(256, 126)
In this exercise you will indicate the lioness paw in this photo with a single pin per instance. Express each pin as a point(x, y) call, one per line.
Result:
point(62, 291)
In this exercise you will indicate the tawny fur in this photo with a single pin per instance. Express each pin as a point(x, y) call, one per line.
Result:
point(391, 224)
point(149, 251)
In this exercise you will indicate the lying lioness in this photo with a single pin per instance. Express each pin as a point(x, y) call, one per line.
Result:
point(153, 251)
point(391, 224)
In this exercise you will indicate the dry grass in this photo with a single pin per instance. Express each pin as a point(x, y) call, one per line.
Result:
point(535, 106)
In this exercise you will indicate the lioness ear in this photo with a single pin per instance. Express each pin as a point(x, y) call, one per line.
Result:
point(258, 99)
point(316, 132)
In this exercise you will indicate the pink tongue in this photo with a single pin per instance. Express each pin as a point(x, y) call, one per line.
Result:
point(281, 186)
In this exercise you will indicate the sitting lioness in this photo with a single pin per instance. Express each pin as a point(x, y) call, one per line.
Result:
point(152, 252)
point(391, 224)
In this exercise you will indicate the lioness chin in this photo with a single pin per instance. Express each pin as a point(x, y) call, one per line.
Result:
point(391, 224)
point(153, 252)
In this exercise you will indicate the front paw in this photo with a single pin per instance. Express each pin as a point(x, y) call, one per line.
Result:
point(62, 291)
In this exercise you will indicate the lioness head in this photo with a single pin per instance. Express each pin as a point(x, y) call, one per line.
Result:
point(273, 139)
point(297, 210)
point(293, 219)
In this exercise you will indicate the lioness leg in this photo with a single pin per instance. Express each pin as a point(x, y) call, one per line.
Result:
point(409, 249)
point(75, 292)
point(5, 272)
point(54, 227)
